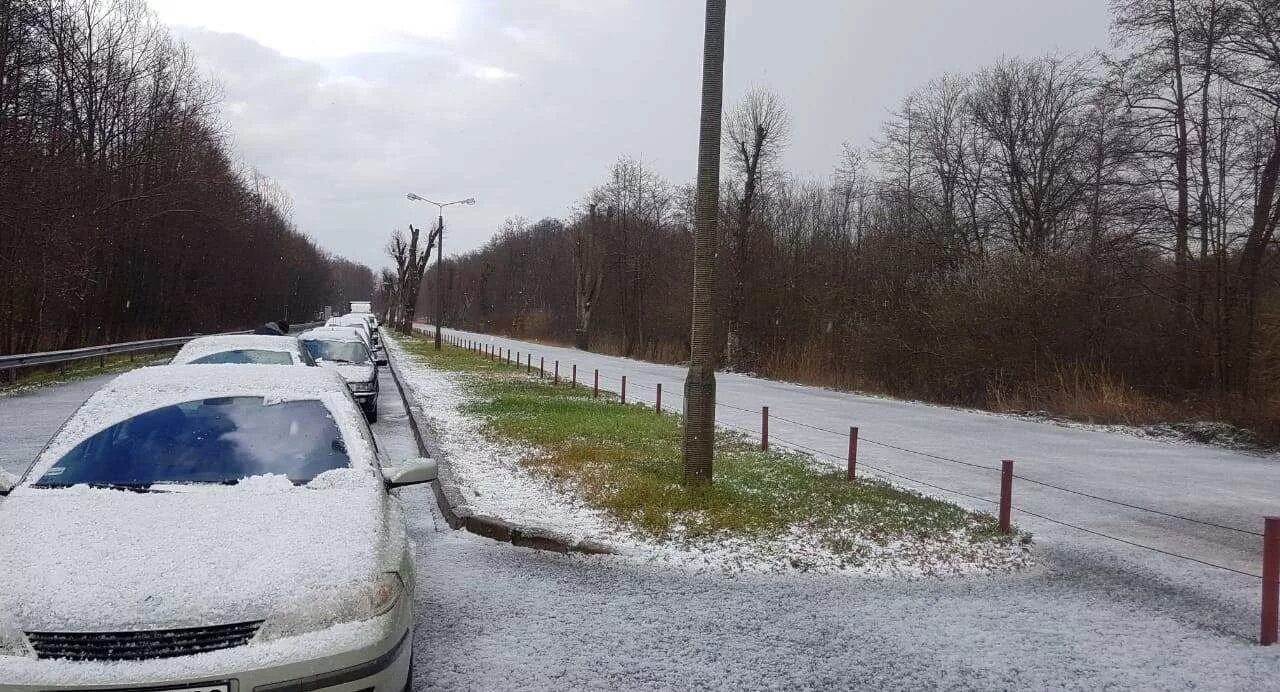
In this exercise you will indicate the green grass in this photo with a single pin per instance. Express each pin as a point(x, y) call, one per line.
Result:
point(83, 369)
point(625, 459)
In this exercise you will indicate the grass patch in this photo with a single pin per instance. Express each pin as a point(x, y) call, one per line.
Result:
point(83, 369)
point(626, 460)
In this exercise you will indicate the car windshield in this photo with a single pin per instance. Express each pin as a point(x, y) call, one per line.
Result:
point(218, 440)
point(338, 351)
point(246, 357)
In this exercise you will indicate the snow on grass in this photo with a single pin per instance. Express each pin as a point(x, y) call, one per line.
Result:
point(509, 476)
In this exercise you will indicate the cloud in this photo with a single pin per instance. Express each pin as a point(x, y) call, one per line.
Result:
point(524, 105)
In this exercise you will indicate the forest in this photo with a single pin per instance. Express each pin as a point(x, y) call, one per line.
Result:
point(123, 213)
point(1091, 236)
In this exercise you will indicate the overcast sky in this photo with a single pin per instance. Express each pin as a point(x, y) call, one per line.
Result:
point(524, 104)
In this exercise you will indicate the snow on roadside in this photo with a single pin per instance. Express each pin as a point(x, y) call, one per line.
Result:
point(494, 482)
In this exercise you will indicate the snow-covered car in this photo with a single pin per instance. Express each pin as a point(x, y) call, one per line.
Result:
point(243, 349)
point(198, 528)
point(343, 350)
point(361, 320)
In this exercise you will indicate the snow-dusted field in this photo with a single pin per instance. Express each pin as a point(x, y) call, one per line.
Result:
point(491, 616)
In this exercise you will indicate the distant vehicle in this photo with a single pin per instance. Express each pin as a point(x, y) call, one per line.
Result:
point(344, 350)
point(365, 321)
point(234, 522)
point(243, 349)
point(361, 306)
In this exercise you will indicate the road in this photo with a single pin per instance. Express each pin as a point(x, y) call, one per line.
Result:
point(491, 616)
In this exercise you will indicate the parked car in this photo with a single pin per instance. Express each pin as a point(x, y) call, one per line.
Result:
point(357, 323)
point(211, 529)
point(243, 349)
point(344, 350)
point(364, 321)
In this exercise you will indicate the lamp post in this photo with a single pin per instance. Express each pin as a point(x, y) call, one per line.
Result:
point(440, 254)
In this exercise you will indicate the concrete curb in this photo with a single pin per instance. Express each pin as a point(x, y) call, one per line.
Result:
point(453, 503)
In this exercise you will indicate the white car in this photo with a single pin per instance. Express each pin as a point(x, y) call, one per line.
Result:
point(364, 321)
point(244, 349)
point(345, 351)
point(199, 528)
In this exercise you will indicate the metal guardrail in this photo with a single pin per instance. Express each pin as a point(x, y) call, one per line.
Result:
point(13, 363)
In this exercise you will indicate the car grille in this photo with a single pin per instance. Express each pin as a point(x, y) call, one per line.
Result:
point(140, 644)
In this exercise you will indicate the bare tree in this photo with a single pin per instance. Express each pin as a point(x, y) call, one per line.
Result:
point(755, 134)
point(411, 265)
point(588, 264)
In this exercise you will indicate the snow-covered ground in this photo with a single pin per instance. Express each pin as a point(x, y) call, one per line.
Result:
point(494, 482)
point(492, 616)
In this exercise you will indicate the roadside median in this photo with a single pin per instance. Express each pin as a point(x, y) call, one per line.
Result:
point(591, 473)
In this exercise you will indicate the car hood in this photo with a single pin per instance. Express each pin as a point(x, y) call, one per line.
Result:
point(95, 559)
point(352, 372)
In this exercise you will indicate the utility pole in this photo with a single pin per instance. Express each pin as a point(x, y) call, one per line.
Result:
point(439, 275)
point(700, 384)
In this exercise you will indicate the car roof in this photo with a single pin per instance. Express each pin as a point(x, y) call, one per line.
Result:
point(335, 333)
point(221, 343)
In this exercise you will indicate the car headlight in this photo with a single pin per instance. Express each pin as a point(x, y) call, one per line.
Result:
point(362, 601)
point(362, 386)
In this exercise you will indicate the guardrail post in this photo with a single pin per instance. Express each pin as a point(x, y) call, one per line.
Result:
point(852, 470)
point(1006, 494)
point(574, 381)
point(764, 428)
point(624, 389)
point(595, 388)
point(1270, 580)
point(657, 404)
point(557, 377)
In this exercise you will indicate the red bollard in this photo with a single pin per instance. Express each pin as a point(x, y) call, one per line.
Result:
point(574, 382)
point(595, 388)
point(1270, 580)
point(853, 452)
point(764, 428)
point(657, 404)
point(557, 380)
point(624, 389)
point(1006, 494)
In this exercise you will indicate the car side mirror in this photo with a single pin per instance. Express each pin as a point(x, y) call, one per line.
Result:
point(411, 472)
point(8, 481)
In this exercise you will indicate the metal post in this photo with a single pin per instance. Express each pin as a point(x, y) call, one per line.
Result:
point(657, 404)
point(1006, 494)
point(528, 368)
point(853, 452)
point(557, 379)
point(439, 278)
point(624, 389)
point(575, 376)
point(595, 388)
point(1270, 580)
point(764, 428)
point(542, 366)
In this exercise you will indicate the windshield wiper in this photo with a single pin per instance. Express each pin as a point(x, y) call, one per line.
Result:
point(131, 487)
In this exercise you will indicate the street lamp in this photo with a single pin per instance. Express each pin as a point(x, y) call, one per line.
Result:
point(439, 253)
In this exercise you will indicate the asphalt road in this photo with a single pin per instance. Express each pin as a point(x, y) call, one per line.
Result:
point(491, 616)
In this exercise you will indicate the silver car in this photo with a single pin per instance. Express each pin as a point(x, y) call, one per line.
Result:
point(200, 528)
point(243, 349)
point(344, 350)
